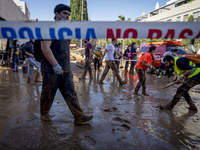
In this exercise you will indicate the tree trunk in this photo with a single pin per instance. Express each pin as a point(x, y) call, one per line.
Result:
point(123, 46)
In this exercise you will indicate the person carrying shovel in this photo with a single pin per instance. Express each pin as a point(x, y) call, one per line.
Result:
point(189, 76)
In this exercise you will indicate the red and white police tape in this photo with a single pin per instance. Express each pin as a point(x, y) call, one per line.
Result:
point(98, 30)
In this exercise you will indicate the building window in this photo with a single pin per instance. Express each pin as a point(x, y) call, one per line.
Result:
point(178, 19)
point(20, 7)
point(185, 17)
point(196, 15)
point(169, 20)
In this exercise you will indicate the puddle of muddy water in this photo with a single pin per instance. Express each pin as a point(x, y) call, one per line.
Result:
point(121, 119)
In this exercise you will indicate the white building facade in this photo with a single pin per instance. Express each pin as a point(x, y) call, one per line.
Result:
point(24, 8)
point(174, 10)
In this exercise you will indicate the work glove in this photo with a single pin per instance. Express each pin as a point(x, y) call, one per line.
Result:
point(180, 79)
point(58, 70)
point(10, 58)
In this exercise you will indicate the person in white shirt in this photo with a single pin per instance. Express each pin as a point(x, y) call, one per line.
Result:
point(110, 62)
point(172, 53)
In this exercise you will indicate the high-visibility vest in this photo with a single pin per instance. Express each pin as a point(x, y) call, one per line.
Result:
point(179, 72)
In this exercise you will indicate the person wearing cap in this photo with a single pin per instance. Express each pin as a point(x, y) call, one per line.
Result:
point(97, 57)
point(57, 74)
point(88, 60)
point(172, 53)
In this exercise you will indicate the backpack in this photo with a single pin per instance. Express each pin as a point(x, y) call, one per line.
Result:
point(130, 54)
point(37, 50)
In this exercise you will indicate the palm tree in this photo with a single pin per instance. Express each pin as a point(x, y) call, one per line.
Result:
point(122, 18)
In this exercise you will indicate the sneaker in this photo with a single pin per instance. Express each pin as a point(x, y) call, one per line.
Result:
point(158, 77)
point(194, 108)
point(82, 119)
point(164, 107)
point(29, 80)
point(46, 117)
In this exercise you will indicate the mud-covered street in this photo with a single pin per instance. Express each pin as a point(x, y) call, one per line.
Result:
point(121, 119)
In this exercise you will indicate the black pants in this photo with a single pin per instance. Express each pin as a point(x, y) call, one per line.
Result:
point(126, 64)
point(16, 60)
point(132, 65)
point(52, 82)
point(96, 62)
point(183, 90)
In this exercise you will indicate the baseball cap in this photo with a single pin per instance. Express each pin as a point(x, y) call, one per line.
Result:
point(99, 46)
point(61, 7)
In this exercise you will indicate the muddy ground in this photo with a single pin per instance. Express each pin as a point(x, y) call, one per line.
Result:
point(121, 119)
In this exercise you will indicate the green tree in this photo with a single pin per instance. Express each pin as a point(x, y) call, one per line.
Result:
point(122, 18)
point(76, 10)
point(188, 41)
point(197, 40)
point(190, 18)
point(198, 19)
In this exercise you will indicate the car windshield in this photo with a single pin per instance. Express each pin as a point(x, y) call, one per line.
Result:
point(143, 49)
point(180, 49)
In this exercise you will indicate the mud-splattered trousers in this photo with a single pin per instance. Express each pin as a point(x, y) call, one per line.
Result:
point(183, 91)
point(142, 78)
point(52, 82)
point(110, 64)
point(87, 67)
point(132, 66)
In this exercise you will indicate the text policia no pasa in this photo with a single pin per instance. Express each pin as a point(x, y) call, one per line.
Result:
point(97, 30)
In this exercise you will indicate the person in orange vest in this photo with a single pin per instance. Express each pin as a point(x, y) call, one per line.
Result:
point(144, 63)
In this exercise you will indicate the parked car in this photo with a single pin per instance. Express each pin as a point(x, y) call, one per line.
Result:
point(162, 47)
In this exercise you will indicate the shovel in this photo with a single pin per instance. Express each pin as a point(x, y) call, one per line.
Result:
point(168, 85)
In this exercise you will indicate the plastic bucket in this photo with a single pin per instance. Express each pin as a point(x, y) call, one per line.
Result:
point(24, 69)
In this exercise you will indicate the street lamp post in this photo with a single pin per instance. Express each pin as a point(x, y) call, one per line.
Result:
point(81, 20)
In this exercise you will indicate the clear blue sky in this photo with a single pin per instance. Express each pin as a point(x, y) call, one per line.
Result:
point(98, 10)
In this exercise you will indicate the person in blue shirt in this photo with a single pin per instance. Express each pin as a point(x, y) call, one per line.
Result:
point(15, 54)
